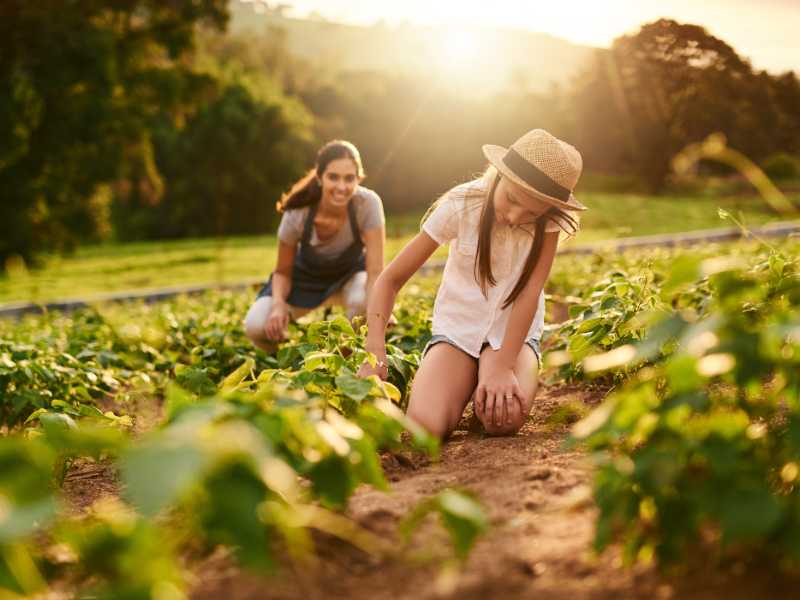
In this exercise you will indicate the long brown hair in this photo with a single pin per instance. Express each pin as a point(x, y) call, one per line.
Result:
point(483, 258)
point(307, 190)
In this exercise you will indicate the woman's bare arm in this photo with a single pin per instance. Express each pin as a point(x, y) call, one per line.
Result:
point(278, 319)
point(375, 242)
point(282, 275)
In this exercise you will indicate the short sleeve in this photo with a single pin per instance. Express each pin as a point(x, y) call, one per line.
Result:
point(370, 210)
point(290, 230)
point(442, 221)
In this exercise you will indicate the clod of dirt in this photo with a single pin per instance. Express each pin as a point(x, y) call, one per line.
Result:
point(539, 474)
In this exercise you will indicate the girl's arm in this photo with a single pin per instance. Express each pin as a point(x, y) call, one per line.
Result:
point(498, 380)
point(278, 320)
point(375, 241)
point(381, 301)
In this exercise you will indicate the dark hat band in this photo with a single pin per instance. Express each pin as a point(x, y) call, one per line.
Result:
point(534, 177)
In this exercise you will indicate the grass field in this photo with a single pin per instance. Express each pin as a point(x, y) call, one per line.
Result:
point(94, 270)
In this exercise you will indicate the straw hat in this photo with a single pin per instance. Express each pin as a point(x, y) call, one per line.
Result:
point(543, 165)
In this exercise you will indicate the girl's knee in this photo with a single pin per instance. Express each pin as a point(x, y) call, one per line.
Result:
point(510, 427)
point(432, 423)
point(504, 429)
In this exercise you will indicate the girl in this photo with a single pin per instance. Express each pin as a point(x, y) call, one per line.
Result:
point(330, 246)
point(489, 313)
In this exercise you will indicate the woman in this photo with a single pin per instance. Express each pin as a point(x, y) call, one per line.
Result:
point(330, 246)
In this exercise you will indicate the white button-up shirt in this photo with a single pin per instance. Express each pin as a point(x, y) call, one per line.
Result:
point(461, 311)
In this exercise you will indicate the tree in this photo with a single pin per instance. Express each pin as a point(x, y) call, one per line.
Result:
point(79, 83)
point(786, 96)
point(225, 170)
point(224, 167)
point(656, 91)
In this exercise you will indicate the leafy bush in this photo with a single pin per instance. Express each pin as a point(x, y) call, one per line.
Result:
point(704, 443)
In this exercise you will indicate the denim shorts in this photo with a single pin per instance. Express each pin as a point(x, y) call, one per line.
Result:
point(533, 342)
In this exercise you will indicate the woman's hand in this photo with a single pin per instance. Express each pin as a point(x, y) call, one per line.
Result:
point(381, 368)
point(498, 397)
point(278, 322)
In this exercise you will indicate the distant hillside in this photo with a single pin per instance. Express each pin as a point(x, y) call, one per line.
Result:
point(501, 57)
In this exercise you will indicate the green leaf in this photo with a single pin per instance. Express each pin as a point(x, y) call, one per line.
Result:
point(56, 423)
point(88, 410)
point(682, 374)
point(684, 269)
point(232, 381)
point(26, 470)
point(576, 310)
point(464, 519)
point(316, 360)
point(342, 323)
point(196, 380)
point(176, 400)
point(462, 516)
point(231, 515)
point(332, 481)
point(352, 386)
point(748, 513)
point(157, 472)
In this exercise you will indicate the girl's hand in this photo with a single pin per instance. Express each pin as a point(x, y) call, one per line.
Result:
point(498, 397)
point(278, 322)
point(381, 368)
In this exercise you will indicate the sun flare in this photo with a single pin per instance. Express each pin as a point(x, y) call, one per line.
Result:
point(458, 47)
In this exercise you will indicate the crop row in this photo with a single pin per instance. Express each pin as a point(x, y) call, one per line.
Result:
point(253, 452)
point(698, 440)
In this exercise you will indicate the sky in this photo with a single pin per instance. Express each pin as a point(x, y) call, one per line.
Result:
point(765, 31)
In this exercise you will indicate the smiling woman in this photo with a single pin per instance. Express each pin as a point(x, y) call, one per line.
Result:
point(330, 246)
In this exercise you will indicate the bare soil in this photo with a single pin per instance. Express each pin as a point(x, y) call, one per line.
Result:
point(537, 494)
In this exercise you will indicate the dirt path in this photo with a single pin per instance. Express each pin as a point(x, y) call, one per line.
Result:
point(536, 493)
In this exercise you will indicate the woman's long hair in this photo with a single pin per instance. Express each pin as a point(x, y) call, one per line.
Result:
point(307, 190)
point(483, 258)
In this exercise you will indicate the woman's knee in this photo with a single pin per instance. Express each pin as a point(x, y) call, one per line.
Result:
point(355, 294)
point(256, 320)
point(254, 332)
point(356, 305)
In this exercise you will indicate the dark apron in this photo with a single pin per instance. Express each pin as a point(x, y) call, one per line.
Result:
point(315, 278)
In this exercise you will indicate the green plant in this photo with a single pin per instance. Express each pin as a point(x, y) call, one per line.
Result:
point(703, 444)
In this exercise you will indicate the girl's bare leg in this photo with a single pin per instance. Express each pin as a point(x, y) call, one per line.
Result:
point(441, 389)
point(527, 373)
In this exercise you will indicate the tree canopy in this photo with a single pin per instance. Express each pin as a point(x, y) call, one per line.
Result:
point(671, 84)
point(136, 119)
point(81, 83)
